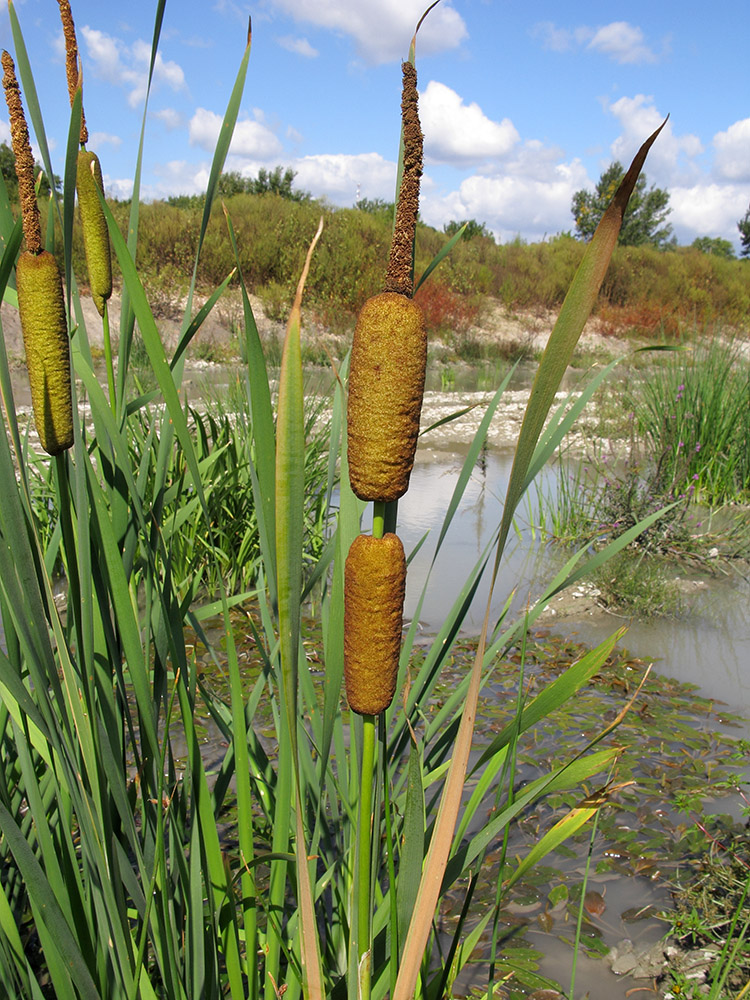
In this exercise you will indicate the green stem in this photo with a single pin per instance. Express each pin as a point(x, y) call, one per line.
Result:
point(378, 519)
point(108, 358)
point(365, 849)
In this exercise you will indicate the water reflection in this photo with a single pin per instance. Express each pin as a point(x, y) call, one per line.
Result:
point(709, 647)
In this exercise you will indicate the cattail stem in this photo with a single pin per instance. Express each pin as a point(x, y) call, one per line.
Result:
point(108, 358)
point(364, 850)
point(378, 519)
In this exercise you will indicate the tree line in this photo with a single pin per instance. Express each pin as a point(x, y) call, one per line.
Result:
point(645, 222)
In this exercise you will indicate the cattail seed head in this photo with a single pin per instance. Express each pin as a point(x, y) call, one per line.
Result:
point(45, 337)
point(94, 226)
point(374, 588)
point(399, 277)
point(386, 385)
point(19, 135)
point(71, 62)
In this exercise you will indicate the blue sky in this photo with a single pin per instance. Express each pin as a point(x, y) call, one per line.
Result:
point(521, 104)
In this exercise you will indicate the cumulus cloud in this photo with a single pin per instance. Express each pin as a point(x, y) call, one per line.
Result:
point(341, 177)
point(461, 133)
point(707, 210)
point(732, 156)
point(127, 66)
point(513, 203)
point(623, 42)
point(382, 29)
point(98, 139)
point(4, 131)
point(121, 188)
point(250, 139)
point(300, 46)
point(560, 39)
point(169, 118)
point(670, 154)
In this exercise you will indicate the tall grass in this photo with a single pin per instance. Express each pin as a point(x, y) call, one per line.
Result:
point(692, 412)
point(115, 880)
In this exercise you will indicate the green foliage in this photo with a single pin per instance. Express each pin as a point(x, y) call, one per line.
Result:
point(278, 181)
point(744, 227)
point(138, 861)
point(692, 413)
point(473, 229)
point(715, 245)
point(645, 290)
point(645, 218)
point(8, 169)
point(377, 206)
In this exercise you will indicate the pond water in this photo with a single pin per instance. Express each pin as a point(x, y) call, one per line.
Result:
point(709, 646)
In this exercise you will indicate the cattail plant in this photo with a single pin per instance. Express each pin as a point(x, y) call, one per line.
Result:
point(40, 296)
point(88, 181)
point(386, 386)
point(389, 350)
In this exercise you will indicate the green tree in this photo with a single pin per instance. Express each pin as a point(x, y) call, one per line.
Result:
point(473, 228)
point(645, 216)
point(714, 245)
point(277, 181)
point(376, 206)
point(8, 168)
point(744, 227)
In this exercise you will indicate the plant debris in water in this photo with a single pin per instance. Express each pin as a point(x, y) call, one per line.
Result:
point(680, 751)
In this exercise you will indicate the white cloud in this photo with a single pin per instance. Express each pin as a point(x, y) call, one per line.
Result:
point(120, 188)
point(250, 139)
point(300, 46)
point(177, 177)
point(461, 133)
point(670, 154)
point(104, 53)
point(4, 131)
point(97, 139)
point(340, 177)
point(382, 29)
point(707, 210)
point(732, 159)
point(619, 40)
point(513, 203)
point(127, 66)
point(623, 42)
point(560, 39)
point(169, 118)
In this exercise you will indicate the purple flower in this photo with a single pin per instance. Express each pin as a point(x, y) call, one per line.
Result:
point(697, 447)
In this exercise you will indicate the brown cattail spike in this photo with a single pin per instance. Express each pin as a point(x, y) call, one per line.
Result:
point(71, 62)
point(374, 588)
point(19, 135)
point(386, 385)
point(400, 277)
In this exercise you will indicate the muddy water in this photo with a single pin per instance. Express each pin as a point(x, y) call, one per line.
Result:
point(709, 646)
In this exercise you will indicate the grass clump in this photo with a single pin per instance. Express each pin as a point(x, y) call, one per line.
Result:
point(692, 413)
point(637, 587)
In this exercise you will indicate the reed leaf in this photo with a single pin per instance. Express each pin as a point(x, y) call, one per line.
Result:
point(575, 310)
